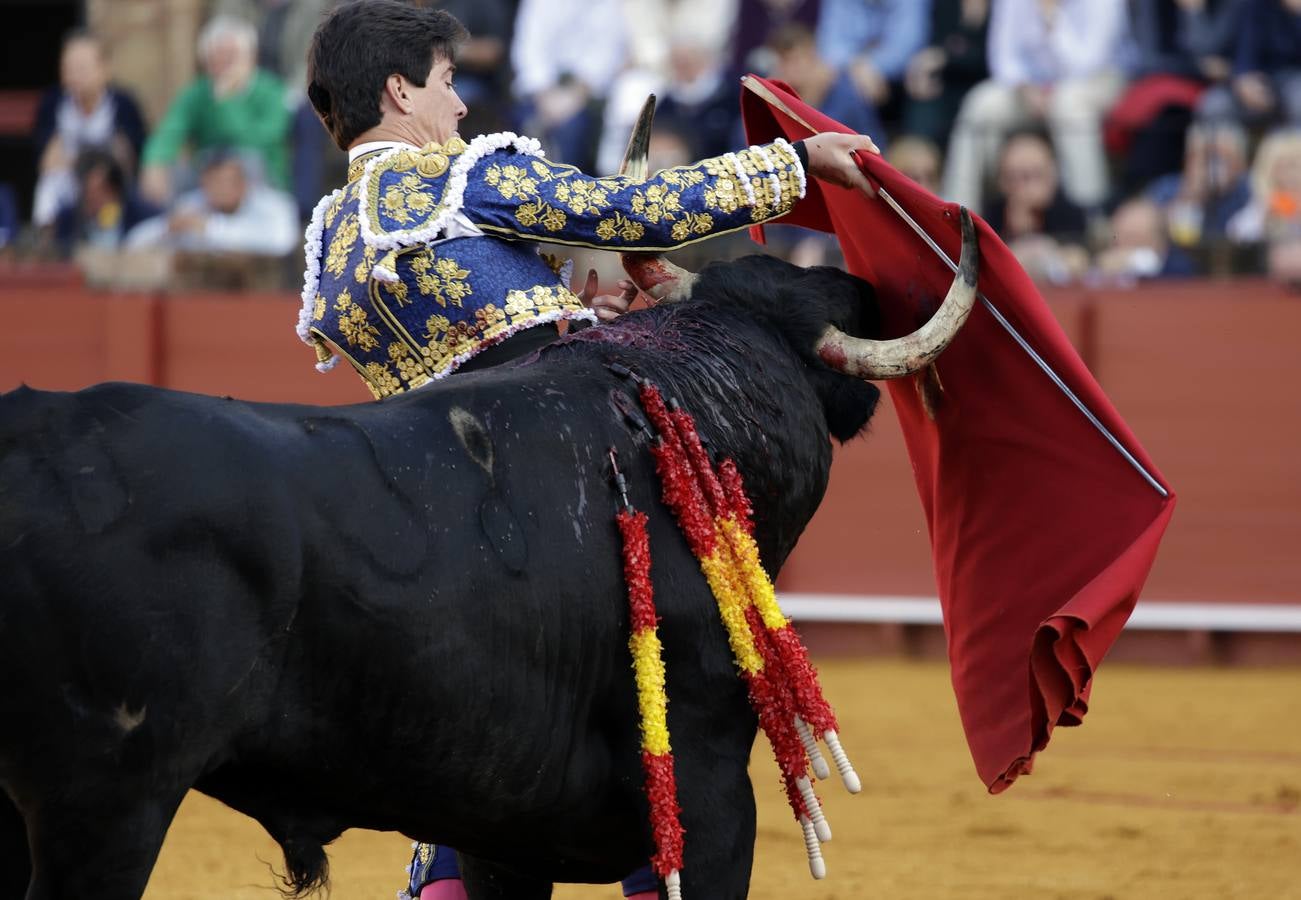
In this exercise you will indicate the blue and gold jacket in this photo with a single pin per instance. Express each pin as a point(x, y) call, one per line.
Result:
point(429, 256)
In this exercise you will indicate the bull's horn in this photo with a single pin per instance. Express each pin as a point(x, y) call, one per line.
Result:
point(651, 272)
point(635, 157)
point(903, 356)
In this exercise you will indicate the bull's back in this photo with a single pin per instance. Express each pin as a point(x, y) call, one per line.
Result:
point(135, 594)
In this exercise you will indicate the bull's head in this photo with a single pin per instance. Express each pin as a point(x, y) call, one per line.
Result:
point(837, 344)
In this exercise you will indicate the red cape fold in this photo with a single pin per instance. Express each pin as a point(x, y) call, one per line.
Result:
point(1042, 532)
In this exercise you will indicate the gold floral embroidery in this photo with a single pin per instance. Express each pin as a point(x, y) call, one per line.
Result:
point(692, 223)
point(436, 325)
point(341, 245)
point(682, 177)
point(332, 211)
point(397, 290)
point(353, 324)
point(582, 196)
point(530, 214)
point(383, 379)
point(620, 226)
point(406, 201)
point(318, 308)
point(657, 203)
point(515, 183)
point(442, 279)
point(511, 182)
point(409, 367)
point(361, 274)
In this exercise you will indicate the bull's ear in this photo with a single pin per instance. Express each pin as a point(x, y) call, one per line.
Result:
point(848, 403)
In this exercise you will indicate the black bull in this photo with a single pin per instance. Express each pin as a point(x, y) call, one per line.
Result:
point(402, 616)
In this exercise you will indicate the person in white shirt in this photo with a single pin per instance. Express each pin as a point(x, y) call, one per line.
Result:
point(231, 211)
point(1059, 63)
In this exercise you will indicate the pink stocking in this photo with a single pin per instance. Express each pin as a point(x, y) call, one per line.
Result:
point(446, 889)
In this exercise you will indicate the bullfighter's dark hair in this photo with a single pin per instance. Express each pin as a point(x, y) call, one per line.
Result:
point(359, 45)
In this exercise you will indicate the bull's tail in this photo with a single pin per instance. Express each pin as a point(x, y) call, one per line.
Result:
point(307, 868)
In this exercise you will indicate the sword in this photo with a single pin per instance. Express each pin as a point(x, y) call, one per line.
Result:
point(754, 86)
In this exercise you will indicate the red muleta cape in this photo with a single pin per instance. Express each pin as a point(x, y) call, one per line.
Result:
point(1041, 531)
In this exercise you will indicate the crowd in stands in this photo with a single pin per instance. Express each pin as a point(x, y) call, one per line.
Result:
point(1106, 141)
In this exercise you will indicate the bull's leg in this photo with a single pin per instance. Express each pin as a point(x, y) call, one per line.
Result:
point(15, 865)
point(97, 846)
point(719, 819)
point(490, 881)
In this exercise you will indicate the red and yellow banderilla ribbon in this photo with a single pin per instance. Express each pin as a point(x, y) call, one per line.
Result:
point(715, 516)
point(652, 701)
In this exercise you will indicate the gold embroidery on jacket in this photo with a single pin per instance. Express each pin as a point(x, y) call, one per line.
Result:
point(353, 323)
point(361, 274)
point(442, 279)
point(383, 379)
point(405, 201)
point(345, 238)
point(657, 203)
point(409, 368)
point(620, 226)
point(514, 183)
point(582, 196)
point(692, 223)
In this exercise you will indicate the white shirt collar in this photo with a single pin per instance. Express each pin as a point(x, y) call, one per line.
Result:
point(373, 146)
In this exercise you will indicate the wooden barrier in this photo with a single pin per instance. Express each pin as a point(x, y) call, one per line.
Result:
point(1205, 373)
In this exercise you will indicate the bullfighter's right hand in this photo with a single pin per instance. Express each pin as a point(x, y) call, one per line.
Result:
point(607, 307)
point(831, 158)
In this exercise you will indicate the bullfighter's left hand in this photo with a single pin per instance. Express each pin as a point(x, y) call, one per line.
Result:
point(831, 158)
point(607, 307)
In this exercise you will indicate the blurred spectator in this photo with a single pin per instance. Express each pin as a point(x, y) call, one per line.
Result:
point(830, 89)
point(482, 68)
point(284, 33)
point(8, 216)
point(757, 20)
point(1045, 230)
point(1200, 201)
point(1056, 62)
point(566, 54)
point(873, 42)
point(680, 56)
point(1266, 83)
point(662, 25)
point(232, 211)
point(918, 158)
point(83, 112)
point(232, 104)
point(1274, 211)
point(940, 74)
point(1182, 46)
point(105, 208)
point(1140, 246)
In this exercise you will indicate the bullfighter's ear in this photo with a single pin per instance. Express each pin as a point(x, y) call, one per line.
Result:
point(847, 402)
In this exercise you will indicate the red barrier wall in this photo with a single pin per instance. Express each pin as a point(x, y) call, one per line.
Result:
point(1206, 373)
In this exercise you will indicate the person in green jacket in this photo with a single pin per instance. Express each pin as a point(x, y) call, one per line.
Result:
point(232, 103)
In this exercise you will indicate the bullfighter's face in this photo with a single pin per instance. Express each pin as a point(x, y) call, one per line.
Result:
point(436, 106)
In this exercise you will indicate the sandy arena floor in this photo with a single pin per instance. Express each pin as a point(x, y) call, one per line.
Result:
point(1181, 784)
